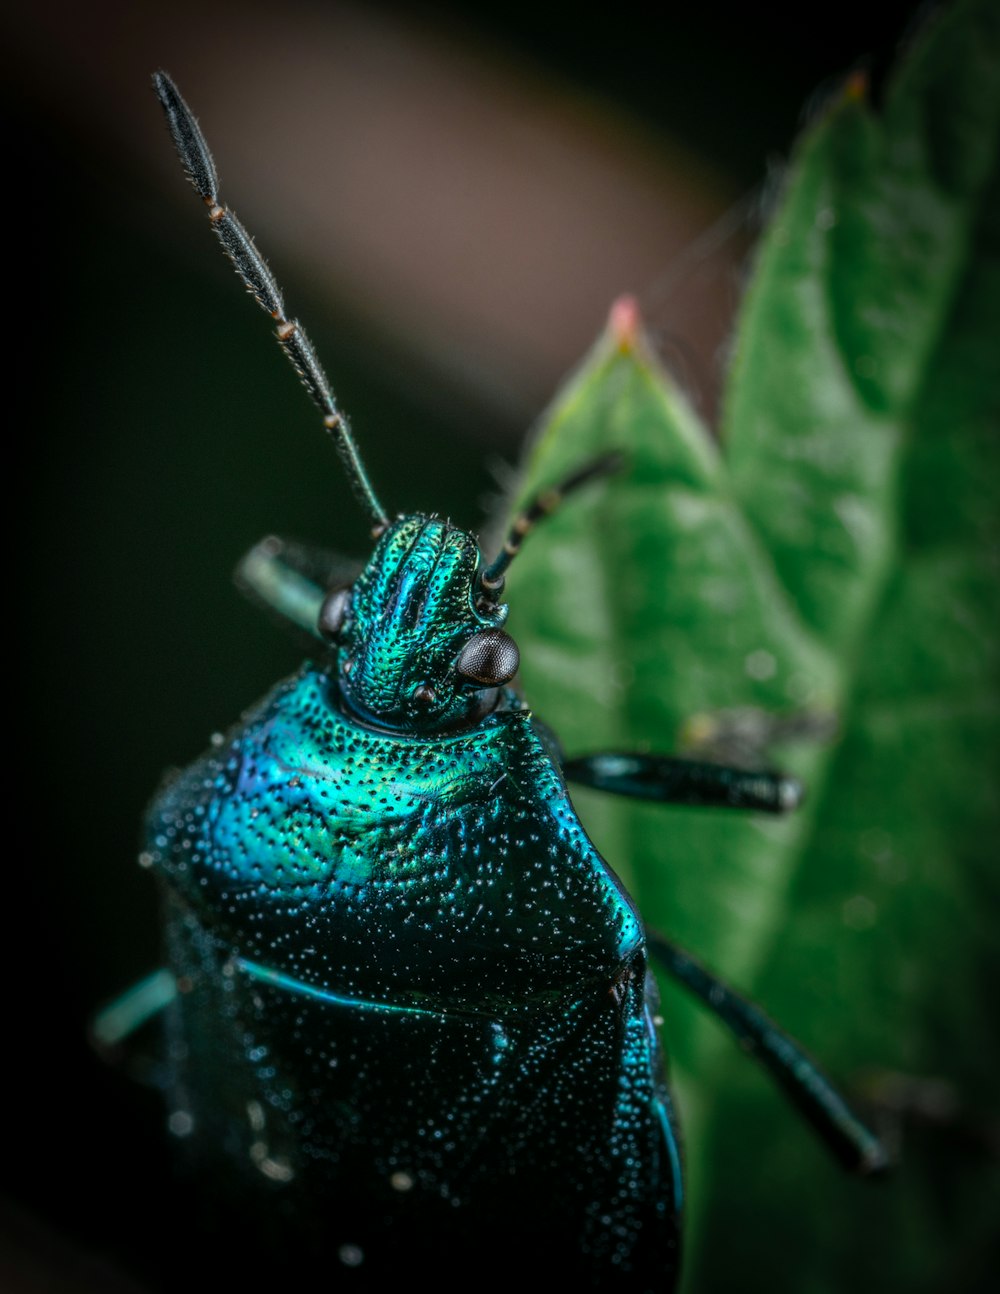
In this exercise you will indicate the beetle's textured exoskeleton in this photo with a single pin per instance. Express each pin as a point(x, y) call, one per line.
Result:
point(410, 1020)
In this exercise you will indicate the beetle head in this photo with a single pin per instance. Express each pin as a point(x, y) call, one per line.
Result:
point(421, 646)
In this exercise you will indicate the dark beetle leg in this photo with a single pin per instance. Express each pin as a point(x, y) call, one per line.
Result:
point(291, 580)
point(118, 1033)
point(682, 781)
point(806, 1086)
point(132, 1009)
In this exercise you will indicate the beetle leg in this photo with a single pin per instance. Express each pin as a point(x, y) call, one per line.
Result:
point(799, 1077)
point(291, 580)
point(116, 1031)
point(132, 1009)
point(683, 781)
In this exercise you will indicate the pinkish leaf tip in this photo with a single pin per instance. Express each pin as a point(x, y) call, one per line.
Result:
point(624, 322)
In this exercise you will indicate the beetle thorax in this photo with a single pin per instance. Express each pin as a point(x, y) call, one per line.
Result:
point(414, 610)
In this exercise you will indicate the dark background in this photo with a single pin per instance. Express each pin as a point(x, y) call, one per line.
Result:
point(162, 433)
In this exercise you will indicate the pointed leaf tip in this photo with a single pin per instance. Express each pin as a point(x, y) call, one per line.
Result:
point(625, 322)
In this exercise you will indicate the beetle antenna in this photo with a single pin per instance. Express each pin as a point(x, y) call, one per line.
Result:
point(199, 167)
point(542, 505)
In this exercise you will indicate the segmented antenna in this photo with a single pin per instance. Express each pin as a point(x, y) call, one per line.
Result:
point(252, 269)
point(542, 505)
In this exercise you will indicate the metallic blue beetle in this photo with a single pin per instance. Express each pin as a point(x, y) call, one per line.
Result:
point(410, 1021)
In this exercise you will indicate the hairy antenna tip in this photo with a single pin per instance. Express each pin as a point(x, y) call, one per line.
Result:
point(163, 86)
point(624, 322)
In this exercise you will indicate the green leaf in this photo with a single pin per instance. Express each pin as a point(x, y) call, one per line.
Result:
point(836, 562)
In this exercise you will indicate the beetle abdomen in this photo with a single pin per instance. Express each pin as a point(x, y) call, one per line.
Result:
point(401, 1140)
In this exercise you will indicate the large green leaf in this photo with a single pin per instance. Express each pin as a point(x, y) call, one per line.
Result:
point(836, 560)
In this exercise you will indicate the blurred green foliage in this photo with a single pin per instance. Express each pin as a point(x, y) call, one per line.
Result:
point(835, 561)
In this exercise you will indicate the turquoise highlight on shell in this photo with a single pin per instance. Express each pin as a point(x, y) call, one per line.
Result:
point(450, 871)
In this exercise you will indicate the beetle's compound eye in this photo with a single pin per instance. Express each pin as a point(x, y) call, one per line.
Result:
point(333, 613)
point(490, 658)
